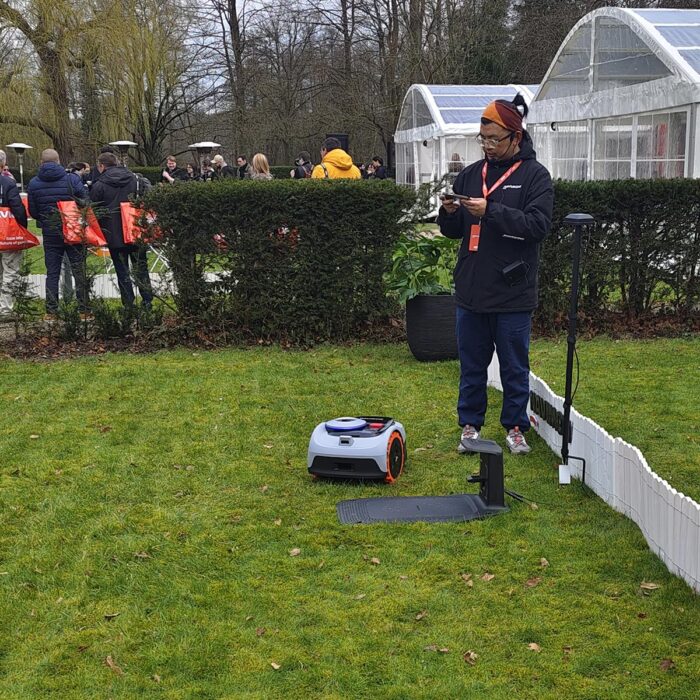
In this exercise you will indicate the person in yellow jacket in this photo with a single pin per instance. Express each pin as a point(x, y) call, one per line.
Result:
point(335, 163)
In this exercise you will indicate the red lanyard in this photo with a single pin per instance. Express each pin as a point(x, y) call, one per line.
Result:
point(500, 180)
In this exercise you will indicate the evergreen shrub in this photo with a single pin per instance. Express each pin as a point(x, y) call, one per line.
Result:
point(642, 257)
point(281, 260)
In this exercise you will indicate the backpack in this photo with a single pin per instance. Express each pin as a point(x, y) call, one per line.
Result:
point(143, 184)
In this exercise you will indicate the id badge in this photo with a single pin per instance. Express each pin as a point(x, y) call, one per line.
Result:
point(474, 234)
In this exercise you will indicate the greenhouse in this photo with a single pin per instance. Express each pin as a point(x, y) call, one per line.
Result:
point(437, 125)
point(621, 97)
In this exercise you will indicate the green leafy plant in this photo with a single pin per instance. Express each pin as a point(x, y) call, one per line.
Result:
point(421, 264)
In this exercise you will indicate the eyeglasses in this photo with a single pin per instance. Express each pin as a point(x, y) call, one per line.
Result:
point(485, 142)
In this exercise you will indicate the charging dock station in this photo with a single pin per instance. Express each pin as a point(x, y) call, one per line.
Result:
point(459, 507)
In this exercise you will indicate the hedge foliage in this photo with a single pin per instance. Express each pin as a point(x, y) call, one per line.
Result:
point(642, 257)
point(283, 259)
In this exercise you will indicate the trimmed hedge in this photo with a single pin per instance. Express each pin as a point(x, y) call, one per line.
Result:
point(299, 261)
point(642, 257)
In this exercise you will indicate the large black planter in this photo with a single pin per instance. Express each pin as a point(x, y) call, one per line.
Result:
point(430, 327)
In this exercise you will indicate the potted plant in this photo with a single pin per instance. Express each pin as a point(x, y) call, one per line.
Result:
point(421, 277)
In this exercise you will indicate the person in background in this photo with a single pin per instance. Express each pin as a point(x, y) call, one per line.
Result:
point(335, 163)
point(378, 171)
point(302, 166)
point(454, 168)
point(115, 185)
point(10, 260)
point(207, 174)
point(6, 171)
point(221, 168)
point(192, 172)
point(171, 173)
point(53, 184)
point(261, 168)
point(244, 169)
point(94, 174)
point(501, 225)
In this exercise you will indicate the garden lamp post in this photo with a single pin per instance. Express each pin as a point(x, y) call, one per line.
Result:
point(578, 221)
point(123, 148)
point(19, 149)
point(203, 148)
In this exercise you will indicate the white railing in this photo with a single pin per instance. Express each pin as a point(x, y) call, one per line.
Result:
point(619, 474)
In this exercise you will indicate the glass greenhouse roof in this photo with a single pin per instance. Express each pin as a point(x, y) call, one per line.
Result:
point(680, 28)
point(464, 104)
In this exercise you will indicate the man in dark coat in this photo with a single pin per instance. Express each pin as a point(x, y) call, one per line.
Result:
point(51, 185)
point(10, 260)
point(172, 173)
point(505, 216)
point(115, 186)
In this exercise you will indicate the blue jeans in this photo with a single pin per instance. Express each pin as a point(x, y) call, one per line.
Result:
point(53, 257)
point(139, 262)
point(477, 336)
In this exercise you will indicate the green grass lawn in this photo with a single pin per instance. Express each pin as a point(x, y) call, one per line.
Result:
point(149, 507)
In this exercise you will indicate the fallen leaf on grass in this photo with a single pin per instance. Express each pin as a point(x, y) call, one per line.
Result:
point(142, 555)
point(268, 446)
point(105, 428)
point(278, 522)
point(375, 561)
point(264, 488)
point(403, 578)
point(533, 646)
point(488, 577)
point(534, 506)
point(156, 678)
point(360, 596)
point(260, 631)
point(277, 667)
point(435, 647)
point(111, 616)
point(109, 662)
point(647, 586)
point(642, 616)
point(467, 578)
point(567, 650)
point(294, 552)
point(534, 581)
point(33, 437)
point(543, 562)
point(470, 657)
point(421, 614)
point(667, 665)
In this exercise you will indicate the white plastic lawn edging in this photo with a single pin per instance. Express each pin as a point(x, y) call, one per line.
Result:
point(619, 474)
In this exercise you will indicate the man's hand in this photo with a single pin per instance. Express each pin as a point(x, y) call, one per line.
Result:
point(450, 205)
point(476, 206)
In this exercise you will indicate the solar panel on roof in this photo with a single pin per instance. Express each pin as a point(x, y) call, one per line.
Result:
point(461, 116)
point(468, 101)
point(456, 90)
point(681, 36)
point(693, 58)
point(669, 16)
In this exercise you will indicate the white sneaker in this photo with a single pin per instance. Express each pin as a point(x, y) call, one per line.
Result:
point(469, 432)
point(516, 442)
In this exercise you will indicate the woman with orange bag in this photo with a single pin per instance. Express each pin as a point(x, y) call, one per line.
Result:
point(10, 260)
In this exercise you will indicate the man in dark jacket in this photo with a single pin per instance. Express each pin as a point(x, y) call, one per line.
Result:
point(503, 220)
point(51, 185)
point(171, 173)
point(115, 186)
point(378, 169)
point(10, 260)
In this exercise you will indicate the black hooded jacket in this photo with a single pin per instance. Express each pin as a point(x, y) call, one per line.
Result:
point(9, 197)
point(114, 187)
point(518, 217)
